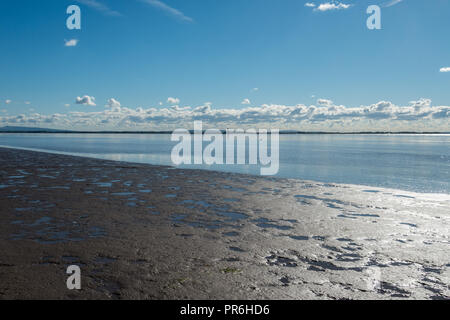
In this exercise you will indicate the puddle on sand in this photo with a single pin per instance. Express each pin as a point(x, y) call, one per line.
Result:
point(234, 216)
point(43, 220)
point(233, 188)
point(104, 260)
point(231, 234)
point(70, 259)
point(96, 232)
point(403, 196)
point(364, 215)
point(123, 194)
point(300, 238)
point(194, 202)
point(103, 184)
point(409, 224)
point(268, 224)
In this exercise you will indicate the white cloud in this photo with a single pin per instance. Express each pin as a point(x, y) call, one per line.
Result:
point(246, 101)
point(101, 7)
point(71, 43)
point(310, 5)
point(113, 103)
point(324, 102)
point(446, 69)
point(173, 100)
point(334, 5)
point(326, 115)
point(67, 105)
point(255, 89)
point(166, 8)
point(27, 102)
point(8, 101)
point(86, 100)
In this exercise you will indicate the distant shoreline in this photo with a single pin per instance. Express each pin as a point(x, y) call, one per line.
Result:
point(224, 131)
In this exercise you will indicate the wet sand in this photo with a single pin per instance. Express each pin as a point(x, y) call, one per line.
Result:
point(150, 232)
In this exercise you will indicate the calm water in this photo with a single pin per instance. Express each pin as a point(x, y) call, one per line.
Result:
point(419, 163)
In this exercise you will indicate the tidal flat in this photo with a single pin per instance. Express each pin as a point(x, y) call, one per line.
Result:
point(139, 231)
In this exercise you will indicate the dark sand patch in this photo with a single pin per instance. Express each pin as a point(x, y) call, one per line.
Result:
point(150, 232)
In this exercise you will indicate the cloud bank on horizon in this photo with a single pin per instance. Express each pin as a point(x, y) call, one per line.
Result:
point(325, 115)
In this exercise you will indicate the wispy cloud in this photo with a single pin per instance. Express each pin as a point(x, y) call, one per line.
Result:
point(391, 3)
point(446, 69)
point(101, 7)
point(246, 101)
point(332, 5)
point(71, 43)
point(168, 9)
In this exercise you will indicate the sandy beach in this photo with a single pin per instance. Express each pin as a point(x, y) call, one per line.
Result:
point(150, 232)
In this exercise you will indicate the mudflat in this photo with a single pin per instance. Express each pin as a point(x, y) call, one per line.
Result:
point(150, 232)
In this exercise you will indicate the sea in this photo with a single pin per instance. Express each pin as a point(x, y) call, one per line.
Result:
point(410, 162)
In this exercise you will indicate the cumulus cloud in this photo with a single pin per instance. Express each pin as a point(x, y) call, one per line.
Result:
point(86, 100)
point(324, 102)
point(71, 43)
point(446, 69)
point(173, 100)
point(310, 4)
point(246, 101)
point(8, 101)
point(419, 115)
point(333, 5)
point(113, 103)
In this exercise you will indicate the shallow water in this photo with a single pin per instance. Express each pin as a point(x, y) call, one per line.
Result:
point(419, 163)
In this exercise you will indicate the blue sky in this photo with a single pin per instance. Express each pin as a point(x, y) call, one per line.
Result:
point(222, 55)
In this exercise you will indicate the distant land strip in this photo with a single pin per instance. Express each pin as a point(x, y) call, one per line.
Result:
point(45, 130)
